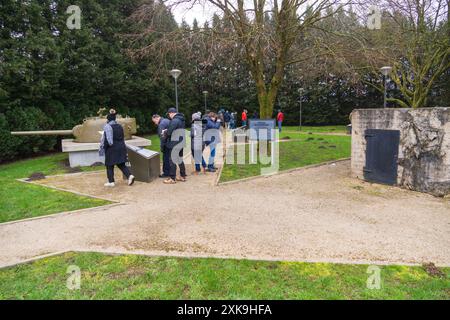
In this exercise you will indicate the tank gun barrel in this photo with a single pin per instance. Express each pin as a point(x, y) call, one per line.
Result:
point(43, 133)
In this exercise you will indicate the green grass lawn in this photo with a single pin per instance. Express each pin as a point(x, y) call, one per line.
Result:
point(154, 138)
point(316, 129)
point(304, 150)
point(140, 277)
point(19, 200)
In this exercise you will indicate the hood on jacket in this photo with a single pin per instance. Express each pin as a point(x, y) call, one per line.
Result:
point(179, 117)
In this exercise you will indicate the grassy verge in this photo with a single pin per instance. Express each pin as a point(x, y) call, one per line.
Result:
point(316, 129)
point(19, 200)
point(140, 277)
point(304, 150)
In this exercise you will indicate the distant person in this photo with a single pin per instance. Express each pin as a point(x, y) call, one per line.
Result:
point(112, 146)
point(244, 118)
point(197, 144)
point(172, 133)
point(163, 124)
point(255, 115)
point(280, 119)
point(227, 119)
point(233, 120)
point(221, 117)
point(211, 140)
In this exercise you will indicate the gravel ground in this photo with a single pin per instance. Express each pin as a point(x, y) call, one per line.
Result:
point(316, 214)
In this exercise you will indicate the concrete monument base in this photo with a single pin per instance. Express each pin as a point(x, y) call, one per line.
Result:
point(86, 154)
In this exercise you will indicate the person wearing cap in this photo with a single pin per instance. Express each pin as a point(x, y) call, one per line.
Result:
point(197, 143)
point(163, 124)
point(174, 137)
point(112, 146)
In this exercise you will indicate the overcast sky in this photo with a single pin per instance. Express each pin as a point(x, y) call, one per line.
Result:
point(199, 12)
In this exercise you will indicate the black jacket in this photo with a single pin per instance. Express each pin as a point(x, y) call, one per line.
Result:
point(117, 152)
point(177, 123)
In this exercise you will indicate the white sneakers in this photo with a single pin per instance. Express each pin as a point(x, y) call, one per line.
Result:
point(112, 184)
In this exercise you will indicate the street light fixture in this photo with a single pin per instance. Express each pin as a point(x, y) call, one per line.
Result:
point(175, 73)
point(385, 71)
point(205, 93)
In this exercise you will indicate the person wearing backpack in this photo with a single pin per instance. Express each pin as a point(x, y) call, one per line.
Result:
point(112, 146)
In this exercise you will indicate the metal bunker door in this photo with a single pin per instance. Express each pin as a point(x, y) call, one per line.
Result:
point(381, 156)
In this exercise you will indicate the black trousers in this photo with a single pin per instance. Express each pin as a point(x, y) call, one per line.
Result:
point(166, 161)
point(122, 167)
point(173, 166)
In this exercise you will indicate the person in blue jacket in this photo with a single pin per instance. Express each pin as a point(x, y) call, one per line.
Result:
point(212, 138)
point(175, 139)
point(163, 124)
point(227, 119)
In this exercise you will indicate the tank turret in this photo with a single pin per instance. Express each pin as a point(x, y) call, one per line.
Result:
point(89, 131)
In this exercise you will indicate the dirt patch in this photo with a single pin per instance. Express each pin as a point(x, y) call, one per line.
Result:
point(74, 170)
point(97, 164)
point(36, 176)
point(432, 270)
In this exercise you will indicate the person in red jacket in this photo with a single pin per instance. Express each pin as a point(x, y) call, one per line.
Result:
point(280, 118)
point(244, 118)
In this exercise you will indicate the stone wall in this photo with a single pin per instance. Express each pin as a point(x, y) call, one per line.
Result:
point(424, 151)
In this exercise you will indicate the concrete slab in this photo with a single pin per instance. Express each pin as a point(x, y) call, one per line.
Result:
point(86, 154)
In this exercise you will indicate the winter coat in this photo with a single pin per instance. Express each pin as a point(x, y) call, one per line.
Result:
point(209, 138)
point(280, 116)
point(226, 116)
point(177, 123)
point(197, 130)
point(117, 152)
point(163, 125)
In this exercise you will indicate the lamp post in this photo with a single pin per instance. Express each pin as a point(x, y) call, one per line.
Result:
point(300, 111)
point(175, 73)
point(205, 94)
point(385, 71)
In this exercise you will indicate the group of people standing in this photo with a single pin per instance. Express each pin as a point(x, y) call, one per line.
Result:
point(244, 118)
point(204, 134)
point(172, 140)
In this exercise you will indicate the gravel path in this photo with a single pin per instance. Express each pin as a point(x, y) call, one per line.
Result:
point(316, 214)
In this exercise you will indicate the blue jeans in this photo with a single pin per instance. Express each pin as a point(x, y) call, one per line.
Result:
point(244, 123)
point(197, 159)
point(166, 161)
point(212, 155)
point(279, 125)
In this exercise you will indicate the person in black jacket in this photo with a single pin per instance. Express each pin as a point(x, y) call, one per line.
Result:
point(112, 146)
point(175, 143)
point(163, 124)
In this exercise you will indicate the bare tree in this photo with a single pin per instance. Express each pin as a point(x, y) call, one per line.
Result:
point(415, 41)
point(262, 32)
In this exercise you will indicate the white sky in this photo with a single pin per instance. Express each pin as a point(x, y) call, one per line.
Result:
point(199, 12)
